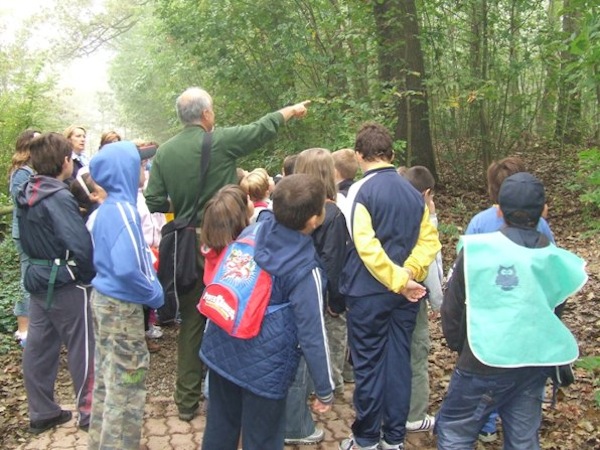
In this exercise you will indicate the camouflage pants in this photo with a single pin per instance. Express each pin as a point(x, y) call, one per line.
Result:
point(337, 339)
point(121, 363)
point(419, 352)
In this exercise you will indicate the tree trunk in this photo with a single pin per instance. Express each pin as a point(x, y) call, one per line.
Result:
point(402, 68)
point(568, 116)
point(479, 71)
point(546, 118)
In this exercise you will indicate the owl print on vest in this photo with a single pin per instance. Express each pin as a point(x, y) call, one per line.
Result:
point(507, 278)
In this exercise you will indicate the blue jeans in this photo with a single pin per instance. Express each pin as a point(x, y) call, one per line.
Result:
point(22, 303)
point(298, 418)
point(517, 396)
point(233, 410)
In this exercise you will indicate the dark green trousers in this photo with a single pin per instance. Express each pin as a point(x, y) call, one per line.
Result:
point(188, 386)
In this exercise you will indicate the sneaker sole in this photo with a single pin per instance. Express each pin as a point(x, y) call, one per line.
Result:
point(307, 440)
point(488, 439)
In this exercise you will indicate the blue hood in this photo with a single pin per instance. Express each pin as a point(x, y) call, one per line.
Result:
point(117, 169)
point(280, 250)
point(122, 258)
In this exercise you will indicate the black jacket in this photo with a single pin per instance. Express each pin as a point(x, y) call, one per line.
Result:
point(330, 242)
point(51, 227)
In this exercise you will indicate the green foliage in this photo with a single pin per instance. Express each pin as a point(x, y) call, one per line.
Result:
point(253, 58)
point(493, 69)
point(589, 363)
point(449, 229)
point(588, 179)
point(10, 274)
point(592, 365)
point(27, 99)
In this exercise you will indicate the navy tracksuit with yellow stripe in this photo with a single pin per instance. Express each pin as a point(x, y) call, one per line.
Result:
point(390, 233)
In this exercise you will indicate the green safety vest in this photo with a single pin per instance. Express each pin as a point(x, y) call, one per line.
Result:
point(511, 293)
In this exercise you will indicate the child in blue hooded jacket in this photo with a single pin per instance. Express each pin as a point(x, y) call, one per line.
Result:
point(249, 378)
point(125, 281)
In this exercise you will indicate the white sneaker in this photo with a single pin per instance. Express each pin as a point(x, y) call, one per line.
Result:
point(154, 332)
point(421, 425)
point(315, 438)
point(385, 446)
point(350, 444)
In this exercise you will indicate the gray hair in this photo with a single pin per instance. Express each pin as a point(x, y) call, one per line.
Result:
point(191, 104)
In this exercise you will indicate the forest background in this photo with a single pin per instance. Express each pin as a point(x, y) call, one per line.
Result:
point(459, 83)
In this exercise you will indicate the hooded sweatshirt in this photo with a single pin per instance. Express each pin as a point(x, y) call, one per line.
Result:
point(267, 363)
point(122, 258)
point(50, 228)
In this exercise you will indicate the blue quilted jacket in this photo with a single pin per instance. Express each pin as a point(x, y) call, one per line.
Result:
point(266, 364)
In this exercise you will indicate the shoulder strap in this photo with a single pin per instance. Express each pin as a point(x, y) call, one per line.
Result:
point(204, 162)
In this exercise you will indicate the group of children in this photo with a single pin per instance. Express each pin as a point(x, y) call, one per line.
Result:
point(103, 327)
point(351, 264)
point(509, 389)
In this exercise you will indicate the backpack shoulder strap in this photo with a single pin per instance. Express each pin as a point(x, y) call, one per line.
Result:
point(204, 162)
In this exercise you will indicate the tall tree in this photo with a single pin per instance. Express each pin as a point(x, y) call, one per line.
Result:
point(402, 71)
point(568, 118)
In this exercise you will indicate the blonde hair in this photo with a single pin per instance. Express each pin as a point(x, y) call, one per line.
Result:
point(345, 163)
point(256, 184)
point(319, 163)
point(71, 129)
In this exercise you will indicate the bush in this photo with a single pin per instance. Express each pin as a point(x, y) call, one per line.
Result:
point(589, 174)
point(592, 365)
point(10, 274)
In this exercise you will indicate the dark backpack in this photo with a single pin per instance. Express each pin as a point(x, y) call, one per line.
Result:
point(237, 298)
point(178, 269)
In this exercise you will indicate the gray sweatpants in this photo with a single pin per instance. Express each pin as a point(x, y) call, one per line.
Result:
point(67, 322)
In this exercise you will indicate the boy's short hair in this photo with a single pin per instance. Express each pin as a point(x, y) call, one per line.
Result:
point(522, 200)
point(373, 142)
point(345, 163)
point(48, 152)
point(498, 171)
point(297, 198)
point(288, 164)
point(420, 177)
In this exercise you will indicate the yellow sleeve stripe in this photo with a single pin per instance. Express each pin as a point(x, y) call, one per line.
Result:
point(372, 253)
point(423, 254)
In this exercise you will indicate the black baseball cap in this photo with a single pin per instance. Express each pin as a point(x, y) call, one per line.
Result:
point(522, 199)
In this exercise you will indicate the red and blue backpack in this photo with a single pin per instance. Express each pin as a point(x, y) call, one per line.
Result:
point(238, 296)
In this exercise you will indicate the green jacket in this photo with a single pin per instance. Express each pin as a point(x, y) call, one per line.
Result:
point(175, 172)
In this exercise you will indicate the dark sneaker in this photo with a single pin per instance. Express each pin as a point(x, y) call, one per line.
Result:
point(39, 426)
point(188, 416)
point(313, 439)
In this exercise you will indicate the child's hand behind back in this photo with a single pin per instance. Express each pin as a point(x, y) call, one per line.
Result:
point(413, 291)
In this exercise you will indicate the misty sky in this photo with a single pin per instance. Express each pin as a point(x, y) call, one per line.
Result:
point(82, 77)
